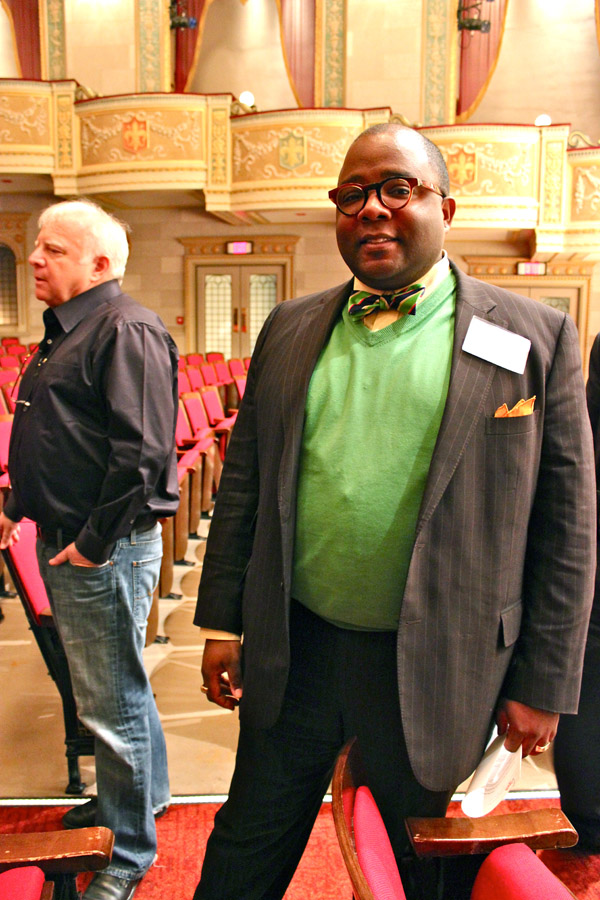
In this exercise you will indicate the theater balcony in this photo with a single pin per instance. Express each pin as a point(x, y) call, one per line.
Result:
point(247, 168)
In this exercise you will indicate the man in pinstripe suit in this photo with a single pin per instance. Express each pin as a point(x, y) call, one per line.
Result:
point(402, 560)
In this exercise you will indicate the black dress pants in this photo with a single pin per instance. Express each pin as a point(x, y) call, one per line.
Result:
point(577, 745)
point(341, 683)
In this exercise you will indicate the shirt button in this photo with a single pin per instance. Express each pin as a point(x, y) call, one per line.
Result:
point(49, 341)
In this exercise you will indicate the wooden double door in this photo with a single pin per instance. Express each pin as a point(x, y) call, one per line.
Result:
point(232, 302)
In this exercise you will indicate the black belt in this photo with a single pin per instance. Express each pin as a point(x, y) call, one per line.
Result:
point(60, 536)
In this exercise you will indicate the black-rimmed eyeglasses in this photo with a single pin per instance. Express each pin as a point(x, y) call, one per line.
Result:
point(393, 193)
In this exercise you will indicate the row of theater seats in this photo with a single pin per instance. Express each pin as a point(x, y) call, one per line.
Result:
point(210, 391)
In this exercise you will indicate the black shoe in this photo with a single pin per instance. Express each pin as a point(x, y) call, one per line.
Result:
point(107, 887)
point(82, 816)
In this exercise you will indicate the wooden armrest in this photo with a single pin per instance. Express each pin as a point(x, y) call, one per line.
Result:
point(79, 850)
point(540, 829)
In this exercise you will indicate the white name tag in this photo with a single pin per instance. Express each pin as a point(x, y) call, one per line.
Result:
point(497, 345)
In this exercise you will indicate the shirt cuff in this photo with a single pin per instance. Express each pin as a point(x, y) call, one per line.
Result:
point(11, 509)
point(92, 547)
point(212, 634)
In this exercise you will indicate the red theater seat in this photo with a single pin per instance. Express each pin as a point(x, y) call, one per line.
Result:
point(511, 871)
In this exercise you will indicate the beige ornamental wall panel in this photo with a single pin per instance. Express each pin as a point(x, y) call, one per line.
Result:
point(494, 173)
point(144, 142)
point(286, 159)
point(26, 127)
point(585, 187)
point(583, 225)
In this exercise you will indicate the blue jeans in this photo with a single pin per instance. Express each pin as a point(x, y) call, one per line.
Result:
point(101, 614)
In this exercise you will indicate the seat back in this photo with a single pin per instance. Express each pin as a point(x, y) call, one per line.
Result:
point(208, 373)
point(196, 412)
point(240, 383)
point(10, 392)
point(183, 429)
point(222, 372)
point(26, 883)
point(514, 872)
point(183, 382)
point(374, 850)
point(346, 776)
point(21, 559)
point(195, 378)
point(195, 359)
point(212, 404)
point(215, 357)
point(237, 367)
point(5, 429)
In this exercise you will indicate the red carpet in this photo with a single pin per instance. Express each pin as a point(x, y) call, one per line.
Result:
point(183, 832)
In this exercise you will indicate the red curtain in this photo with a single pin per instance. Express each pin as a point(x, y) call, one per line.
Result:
point(187, 43)
point(298, 34)
point(298, 29)
point(478, 54)
point(26, 20)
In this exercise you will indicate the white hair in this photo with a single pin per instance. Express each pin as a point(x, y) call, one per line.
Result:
point(102, 234)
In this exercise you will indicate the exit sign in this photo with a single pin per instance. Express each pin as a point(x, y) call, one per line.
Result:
point(239, 248)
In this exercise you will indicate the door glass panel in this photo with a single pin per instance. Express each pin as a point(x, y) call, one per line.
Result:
point(8, 287)
point(218, 290)
point(561, 303)
point(263, 297)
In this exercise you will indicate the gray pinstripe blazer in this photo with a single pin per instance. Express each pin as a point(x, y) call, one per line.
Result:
point(501, 577)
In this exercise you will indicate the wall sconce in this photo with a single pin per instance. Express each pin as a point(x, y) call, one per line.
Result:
point(179, 17)
point(472, 21)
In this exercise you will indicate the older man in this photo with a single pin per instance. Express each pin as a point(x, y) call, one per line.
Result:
point(92, 463)
point(406, 548)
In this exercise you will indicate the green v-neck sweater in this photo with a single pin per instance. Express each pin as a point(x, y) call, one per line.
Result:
point(373, 412)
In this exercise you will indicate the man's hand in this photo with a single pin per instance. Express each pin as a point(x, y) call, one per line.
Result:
point(71, 554)
point(9, 532)
point(222, 672)
point(525, 726)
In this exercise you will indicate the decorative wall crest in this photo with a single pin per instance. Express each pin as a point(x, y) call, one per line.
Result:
point(135, 135)
point(292, 151)
point(462, 167)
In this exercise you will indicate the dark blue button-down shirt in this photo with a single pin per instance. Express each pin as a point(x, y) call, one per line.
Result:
point(92, 444)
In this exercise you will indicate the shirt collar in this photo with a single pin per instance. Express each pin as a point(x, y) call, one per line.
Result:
point(430, 279)
point(71, 313)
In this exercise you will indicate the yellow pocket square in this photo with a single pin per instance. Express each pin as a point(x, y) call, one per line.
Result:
point(522, 408)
